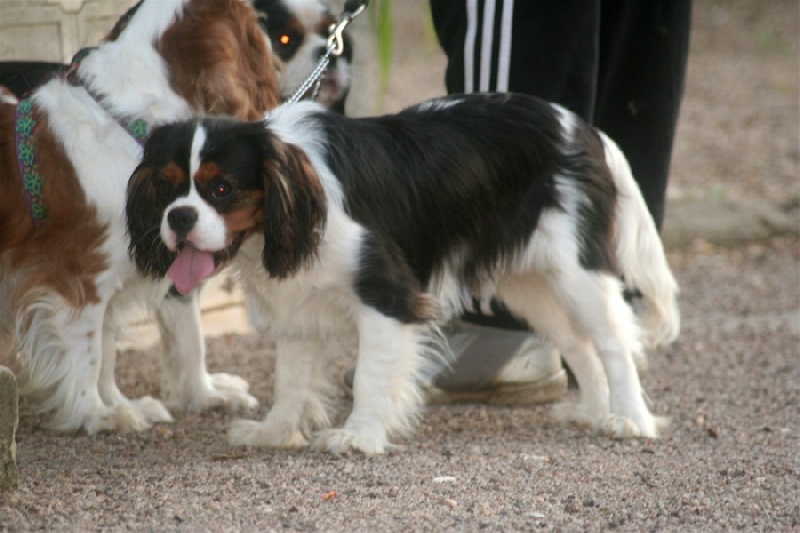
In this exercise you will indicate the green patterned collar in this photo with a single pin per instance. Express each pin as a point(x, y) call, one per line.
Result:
point(32, 179)
point(136, 128)
point(28, 167)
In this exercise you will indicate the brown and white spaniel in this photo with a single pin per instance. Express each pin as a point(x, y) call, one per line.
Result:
point(66, 153)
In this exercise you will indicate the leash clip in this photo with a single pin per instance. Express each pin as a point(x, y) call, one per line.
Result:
point(352, 9)
point(336, 31)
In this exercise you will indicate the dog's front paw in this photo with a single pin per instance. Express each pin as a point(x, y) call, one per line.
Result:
point(215, 390)
point(622, 427)
point(266, 434)
point(146, 410)
point(340, 441)
point(151, 409)
point(121, 418)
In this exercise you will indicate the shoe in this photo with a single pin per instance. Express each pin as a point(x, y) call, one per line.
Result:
point(495, 367)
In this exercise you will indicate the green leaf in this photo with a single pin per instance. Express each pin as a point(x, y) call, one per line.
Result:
point(382, 20)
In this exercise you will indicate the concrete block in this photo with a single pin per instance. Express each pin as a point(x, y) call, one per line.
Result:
point(9, 416)
point(718, 222)
point(53, 30)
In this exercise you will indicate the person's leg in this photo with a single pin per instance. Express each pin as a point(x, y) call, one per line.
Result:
point(540, 47)
point(643, 53)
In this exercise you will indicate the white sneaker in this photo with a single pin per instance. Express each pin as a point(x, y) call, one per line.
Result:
point(500, 367)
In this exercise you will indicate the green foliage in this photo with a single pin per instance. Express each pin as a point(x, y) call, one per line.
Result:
point(382, 22)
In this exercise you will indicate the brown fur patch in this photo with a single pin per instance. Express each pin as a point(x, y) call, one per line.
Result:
point(174, 174)
point(220, 61)
point(425, 308)
point(206, 173)
point(63, 253)
point(248, 214)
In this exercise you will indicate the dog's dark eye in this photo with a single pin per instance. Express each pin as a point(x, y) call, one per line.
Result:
point(163, 186)
point(286, 44)
point(220, 189)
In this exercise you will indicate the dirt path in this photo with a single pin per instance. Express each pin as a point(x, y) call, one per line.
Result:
point(731, 384)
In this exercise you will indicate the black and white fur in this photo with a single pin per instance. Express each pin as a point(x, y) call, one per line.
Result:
point(483, 196)
point(298, 30)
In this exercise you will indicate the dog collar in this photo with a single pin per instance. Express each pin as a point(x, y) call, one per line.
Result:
point(25, 127)
point(136, 127)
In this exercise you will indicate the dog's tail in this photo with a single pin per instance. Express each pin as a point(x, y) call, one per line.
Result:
point(641, 255)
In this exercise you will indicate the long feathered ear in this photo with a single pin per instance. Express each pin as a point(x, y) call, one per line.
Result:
point(295, 210)
point(220, 60)
point(144, 212)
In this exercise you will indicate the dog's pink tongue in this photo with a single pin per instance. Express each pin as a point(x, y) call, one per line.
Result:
point(190, 268)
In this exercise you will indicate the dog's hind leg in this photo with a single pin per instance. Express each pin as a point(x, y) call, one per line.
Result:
point(63, 350)
point(595, 303)
point(300, 401)
point(530, 298)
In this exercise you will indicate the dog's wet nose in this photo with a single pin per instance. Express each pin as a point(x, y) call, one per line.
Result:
point(181, 220)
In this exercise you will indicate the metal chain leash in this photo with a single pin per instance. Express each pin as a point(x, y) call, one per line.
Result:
point(352, 9)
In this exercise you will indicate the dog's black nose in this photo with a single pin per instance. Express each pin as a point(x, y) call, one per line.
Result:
point(181, 220)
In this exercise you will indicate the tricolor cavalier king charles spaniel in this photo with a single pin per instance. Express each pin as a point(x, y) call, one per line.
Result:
point(385, 227)
point(67, 152)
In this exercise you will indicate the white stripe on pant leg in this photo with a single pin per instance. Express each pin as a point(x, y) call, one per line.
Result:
point(469, 45)
point(487, 39)
point(504, 59)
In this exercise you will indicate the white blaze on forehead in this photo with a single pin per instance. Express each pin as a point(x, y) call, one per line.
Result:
point(209, 231)
point(198, 142)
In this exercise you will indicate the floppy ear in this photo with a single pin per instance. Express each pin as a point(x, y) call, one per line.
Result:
point(295, 210)
point(220, 60)
point(144, 212)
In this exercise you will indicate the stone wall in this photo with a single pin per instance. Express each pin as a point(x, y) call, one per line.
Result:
point(53, 30)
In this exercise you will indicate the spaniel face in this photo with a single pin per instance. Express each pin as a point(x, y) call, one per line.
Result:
point(188, 215)
point(66, 274)
point(298, 30)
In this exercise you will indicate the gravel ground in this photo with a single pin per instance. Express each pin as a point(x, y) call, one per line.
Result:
point(731, 383)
